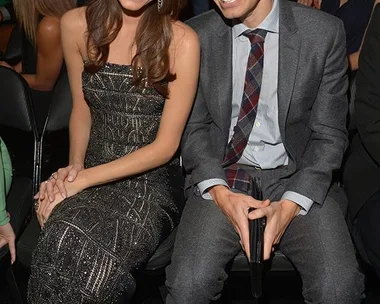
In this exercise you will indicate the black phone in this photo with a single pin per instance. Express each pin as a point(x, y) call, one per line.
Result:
point(256, 244)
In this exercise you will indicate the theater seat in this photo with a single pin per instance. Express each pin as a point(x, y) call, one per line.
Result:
point(12, 54)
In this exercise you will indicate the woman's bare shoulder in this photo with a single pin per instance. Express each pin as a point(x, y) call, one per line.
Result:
point(49, 26)
point(184, 36)
point(74, 20)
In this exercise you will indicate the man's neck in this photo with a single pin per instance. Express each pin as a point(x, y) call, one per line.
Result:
point(258, 14)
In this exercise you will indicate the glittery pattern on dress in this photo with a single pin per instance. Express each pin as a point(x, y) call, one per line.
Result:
point(94, 241)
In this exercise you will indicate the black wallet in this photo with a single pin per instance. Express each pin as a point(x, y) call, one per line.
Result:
point(256, 244)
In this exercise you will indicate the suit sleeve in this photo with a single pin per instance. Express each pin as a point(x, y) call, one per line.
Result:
point(198, 156)
point(367, 102)
point(327, 122)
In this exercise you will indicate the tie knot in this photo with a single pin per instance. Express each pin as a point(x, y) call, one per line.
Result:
point(255, 36)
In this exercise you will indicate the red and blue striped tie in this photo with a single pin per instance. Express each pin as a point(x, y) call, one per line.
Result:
point(248, 110)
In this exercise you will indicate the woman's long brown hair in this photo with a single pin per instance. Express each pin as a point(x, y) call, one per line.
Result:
point(153, 37)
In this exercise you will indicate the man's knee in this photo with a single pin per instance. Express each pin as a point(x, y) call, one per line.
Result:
point(343, 285)
point(196, 283)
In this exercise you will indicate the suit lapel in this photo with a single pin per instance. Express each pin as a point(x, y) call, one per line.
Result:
point(289, 45)
point(222, 64)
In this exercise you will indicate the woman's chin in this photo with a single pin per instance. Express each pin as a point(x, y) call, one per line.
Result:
point(134, 5)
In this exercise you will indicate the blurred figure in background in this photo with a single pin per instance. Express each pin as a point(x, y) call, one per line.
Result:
point(362, 169)
point(355, 15)
point(6, 11)
point(7, 236)
point(42, 55)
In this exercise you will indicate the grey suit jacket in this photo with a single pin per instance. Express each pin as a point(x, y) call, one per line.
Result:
point(311, 98)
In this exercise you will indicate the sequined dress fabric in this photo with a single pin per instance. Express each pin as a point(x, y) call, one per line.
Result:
point(94, 241)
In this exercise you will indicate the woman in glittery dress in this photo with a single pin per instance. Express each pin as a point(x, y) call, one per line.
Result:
point(133, 71)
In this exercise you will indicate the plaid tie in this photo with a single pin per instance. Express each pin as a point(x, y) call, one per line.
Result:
point(247, 115)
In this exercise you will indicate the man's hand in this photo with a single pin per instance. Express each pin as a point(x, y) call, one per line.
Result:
point(279, 215)
point(235, 206)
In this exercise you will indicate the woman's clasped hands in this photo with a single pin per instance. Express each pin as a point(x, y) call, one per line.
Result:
point(59, 186)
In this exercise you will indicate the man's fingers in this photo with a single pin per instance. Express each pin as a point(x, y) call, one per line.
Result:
point(268, 245)
point(245, 239)
point(12, 249)
point(258, 213)
point(256, 204)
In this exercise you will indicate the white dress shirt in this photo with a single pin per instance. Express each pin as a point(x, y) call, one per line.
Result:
point(265, 148)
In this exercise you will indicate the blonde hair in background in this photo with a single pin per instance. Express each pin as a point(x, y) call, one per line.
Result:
point(28, 13)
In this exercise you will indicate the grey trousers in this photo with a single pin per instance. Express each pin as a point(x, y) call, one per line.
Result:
point(318, 244)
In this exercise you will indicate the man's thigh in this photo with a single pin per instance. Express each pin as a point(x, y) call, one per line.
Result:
point(205, 243)
point(320, 247)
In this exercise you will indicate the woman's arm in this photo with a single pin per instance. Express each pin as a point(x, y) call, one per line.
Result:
point(49, 55)
point(73, 35)
point(185, 65)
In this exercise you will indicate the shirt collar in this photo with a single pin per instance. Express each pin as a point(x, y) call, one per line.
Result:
point(270, 23)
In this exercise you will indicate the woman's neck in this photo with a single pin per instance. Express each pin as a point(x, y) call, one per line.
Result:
point(131, 18)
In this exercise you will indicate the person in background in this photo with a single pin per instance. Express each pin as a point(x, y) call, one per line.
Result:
point(362, 169)
point(40, 20)
point(355, 15)
point(7, 236)
point(42, 55)
point(133, 71)
point(6, 11)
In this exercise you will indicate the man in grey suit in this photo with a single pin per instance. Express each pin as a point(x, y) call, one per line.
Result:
point(288, 131)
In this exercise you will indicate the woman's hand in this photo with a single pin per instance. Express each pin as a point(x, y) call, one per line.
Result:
point(45, 206)
point(7, 236)
point(57, 180)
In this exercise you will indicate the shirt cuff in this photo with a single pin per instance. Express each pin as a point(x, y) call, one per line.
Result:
point(304, 202)
point(208, 183)
point(5, 13)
